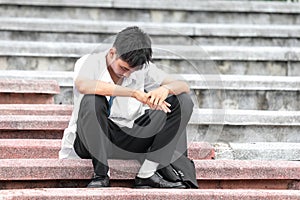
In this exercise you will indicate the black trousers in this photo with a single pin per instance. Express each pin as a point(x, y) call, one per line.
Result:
point(154, 136)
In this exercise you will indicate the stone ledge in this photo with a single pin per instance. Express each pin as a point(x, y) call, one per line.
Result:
point(20, 91)
point(245, 117)
point(266, 151)
point(146, 194)
point(241, 82)
point(205, 81)
point(35, 109)
point(33, 122)
point(165, 29)
point(171, 52)
point(258, 151)
point(26, 98)
point(29, 86)
point(199, 117)
point(63, 78)
point(218, 6)
point(44, 148)
point(49, 169)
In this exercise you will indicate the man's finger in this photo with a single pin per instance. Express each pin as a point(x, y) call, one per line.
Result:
point(160, 103)
point(166, 109)
point(156, 101)
point(167, 104)
point(152, 98)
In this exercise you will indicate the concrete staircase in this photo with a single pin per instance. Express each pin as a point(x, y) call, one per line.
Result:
point(241, 59)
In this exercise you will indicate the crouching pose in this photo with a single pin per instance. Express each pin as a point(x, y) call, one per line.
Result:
point(127, 108)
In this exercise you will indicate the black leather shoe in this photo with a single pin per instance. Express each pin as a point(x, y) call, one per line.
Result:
point(99, 181)
point(156, 181)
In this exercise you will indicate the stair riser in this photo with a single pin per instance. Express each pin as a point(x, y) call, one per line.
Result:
point(35, 112)
point(30, 153)
point(212, 134)
point(280, 154)
point(258, 151)
point(249, 100)
point(148, 15)
point(180, 40)
point(276, 68)
point(10, 98)
point(51, 152)
point(29, 134)
point(222, 152)
point(81, 169)
point(203, 184)
point(230, 99)
point(243, 134)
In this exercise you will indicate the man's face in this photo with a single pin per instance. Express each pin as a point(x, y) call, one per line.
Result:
point(121, 68)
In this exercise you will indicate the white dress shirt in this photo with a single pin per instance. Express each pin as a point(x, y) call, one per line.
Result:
point(124, 110)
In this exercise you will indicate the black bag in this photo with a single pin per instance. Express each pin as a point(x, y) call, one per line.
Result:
point(182, 169)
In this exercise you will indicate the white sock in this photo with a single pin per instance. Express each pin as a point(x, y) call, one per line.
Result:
point(147, 169)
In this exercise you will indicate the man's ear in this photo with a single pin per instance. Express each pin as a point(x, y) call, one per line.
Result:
point(112, 53)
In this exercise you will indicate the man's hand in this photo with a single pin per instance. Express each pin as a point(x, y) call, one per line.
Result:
point(157, 97)
point(145, 98)
point(140, 96)
point(164, 107)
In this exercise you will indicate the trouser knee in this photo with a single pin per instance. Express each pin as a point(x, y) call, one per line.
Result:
point(182, 101)
point(94, 103)
point(186, 102)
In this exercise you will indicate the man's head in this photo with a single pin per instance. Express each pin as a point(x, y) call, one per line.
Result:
point(131, 50)
point(133, 46)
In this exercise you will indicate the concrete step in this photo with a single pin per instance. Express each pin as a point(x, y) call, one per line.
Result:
point(199, 116)
point(258, 151)
point(196, 81)
point(35, 109)
point(249, 60)
point(168, 194)
point(67, 49)
point(211, 125)
point(34, 122)
point(157, 11)
point(45, 148)
point(209, 91)
point(70, 30)
point(211, 174)
point(19, 91)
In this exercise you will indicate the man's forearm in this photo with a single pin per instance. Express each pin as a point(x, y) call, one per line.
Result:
point(102, 88)
point(177, 87)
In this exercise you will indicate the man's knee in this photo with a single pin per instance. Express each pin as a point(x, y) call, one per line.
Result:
point(93, 103)
point(186, 101)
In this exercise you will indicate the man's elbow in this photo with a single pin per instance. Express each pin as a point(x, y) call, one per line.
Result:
point(186, 87)
point(80, 86)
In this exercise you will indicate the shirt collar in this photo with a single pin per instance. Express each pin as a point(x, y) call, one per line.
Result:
point(105, 76)
point(132, 79)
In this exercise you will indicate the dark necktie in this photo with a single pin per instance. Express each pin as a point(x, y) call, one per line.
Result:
point(110, 102)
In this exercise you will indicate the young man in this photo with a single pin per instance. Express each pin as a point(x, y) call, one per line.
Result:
point(109, 119)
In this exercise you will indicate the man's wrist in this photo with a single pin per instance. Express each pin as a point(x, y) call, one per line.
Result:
point(134, 93)
point(166, 87)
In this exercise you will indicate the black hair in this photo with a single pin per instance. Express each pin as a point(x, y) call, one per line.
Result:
point(133, 46)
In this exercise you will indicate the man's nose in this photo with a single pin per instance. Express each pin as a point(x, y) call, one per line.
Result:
point(126, 74)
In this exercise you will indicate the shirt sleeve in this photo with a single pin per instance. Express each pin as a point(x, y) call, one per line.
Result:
point(154, 77)
point(86, 67)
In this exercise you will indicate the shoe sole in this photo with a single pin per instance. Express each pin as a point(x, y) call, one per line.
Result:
point(143, 187)
point(149, 187)
point(97, 186)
